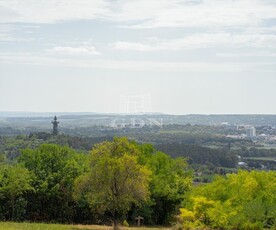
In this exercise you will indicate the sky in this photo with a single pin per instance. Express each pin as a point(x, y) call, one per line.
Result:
point(178, 56)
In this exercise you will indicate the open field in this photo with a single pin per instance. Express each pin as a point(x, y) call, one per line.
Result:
point(41, 226)
point(261, 158)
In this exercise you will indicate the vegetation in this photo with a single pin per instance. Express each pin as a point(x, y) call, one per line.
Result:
point(35, 226)
point(43, 226)
point(219, 157)
point(15, 181)
point(101, 180)
point(201, 147)
point(170, 180)
point(245, 200)
point(54, 169)
point(117, 180)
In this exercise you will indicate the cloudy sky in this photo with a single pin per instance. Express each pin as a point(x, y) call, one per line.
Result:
point(187, 56)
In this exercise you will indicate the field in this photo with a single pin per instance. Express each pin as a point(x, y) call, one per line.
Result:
point(41, 226)
point(261, 158)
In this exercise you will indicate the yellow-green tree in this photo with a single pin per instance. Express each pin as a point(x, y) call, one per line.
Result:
point(116, 180)
point(246, 200)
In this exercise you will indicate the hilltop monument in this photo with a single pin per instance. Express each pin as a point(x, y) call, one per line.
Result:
point(55, 126)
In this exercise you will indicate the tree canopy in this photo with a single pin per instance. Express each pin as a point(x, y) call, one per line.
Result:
point(116, 180)
point(15, 182)
point(54, 169)
point(170, 180)
point(245, 200)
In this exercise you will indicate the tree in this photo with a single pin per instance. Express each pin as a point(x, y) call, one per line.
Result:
point(169, 183)
point(245, 200)
point(15, 181)
point(116, 180)
point(54, 169)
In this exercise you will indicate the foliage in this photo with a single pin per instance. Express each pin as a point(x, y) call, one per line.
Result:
point(125, 223)
point(255, 152)
point(54, 169)
point(44, 226)
point(169, 182)
point(200, 155)
point(10, 147)
point(15, 182)
point(116, 180)
point(160, 181)
point(246, 200)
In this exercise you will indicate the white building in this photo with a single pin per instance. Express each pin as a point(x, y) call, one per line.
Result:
point(251, 132)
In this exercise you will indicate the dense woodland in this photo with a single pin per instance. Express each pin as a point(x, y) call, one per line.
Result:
point(111, 181)
point(116, 181)
point(200, 145)
point(101, 180)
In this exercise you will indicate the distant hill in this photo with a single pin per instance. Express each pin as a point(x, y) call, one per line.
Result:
point(40, 114)
point(88, 119)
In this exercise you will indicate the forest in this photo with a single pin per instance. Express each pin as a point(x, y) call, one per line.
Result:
point(117, 179)
point(120, 179)
point(137, 115)
point(168, 176)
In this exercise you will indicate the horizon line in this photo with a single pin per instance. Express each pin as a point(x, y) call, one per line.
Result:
point(136, 114)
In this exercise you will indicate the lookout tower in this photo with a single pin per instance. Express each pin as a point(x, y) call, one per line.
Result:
point(55, 126)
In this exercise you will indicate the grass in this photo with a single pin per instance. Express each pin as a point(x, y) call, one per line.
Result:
point(33, 226)
point(261, 158)
point(41, 226)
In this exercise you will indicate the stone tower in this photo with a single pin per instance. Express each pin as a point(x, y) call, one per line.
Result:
point(55, 126)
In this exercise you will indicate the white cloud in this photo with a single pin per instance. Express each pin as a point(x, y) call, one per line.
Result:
point(51, 11)
point(248, 54)
point(204, 67)
point(201, 41)
point(134, 46)
point(142, 13)
point(205, 13)
point(5, 32)
point(8, 33)
point(210, 17)
point(207, 23)
point(67, 50)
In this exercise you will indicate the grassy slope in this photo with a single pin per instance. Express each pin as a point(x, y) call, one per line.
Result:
point(261, 158)
point(39, 226)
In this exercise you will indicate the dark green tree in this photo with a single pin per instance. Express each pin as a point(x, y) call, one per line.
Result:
point(15, 182)
point(169, 183)
point(54, 169)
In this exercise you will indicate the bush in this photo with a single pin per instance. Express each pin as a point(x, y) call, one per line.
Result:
point(125, 223)
point(246, 200)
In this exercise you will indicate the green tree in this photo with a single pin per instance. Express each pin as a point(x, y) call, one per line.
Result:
point(15, 182)
point(54, 169)
point(116, 180)
point(2, 158)
point(169, 183)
